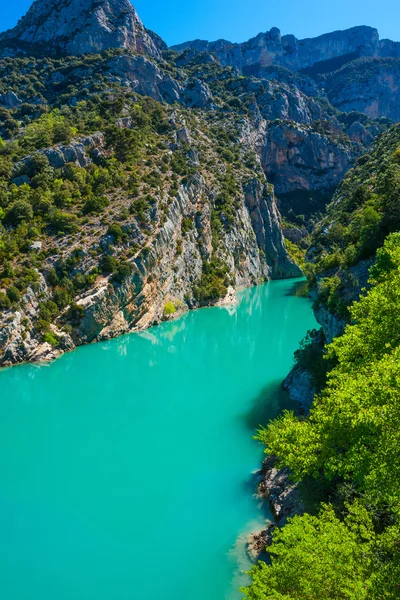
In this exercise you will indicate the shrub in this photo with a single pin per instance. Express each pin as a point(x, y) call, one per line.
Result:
point(51, 339)
point(108, 264)
point(115, 231)
point(95, 205)
point(124, 270)
point(13, 294)
point(4, 302)
point(169, 309)
point(19, 212)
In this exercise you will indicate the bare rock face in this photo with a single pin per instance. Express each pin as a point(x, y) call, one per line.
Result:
point(300, 387)
point(283, 495)
point(371, 86)
point(297, 158)
point(18, 342)
point(83, 26)
point(354, 68)
point(145, 77)
point(271, 48)
point(265, 218)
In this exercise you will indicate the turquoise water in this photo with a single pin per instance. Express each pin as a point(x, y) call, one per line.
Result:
point(125, 467)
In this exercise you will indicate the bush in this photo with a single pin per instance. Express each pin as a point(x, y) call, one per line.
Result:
point(51, 339)
point(169, 309)
point(124, 270)
point(213, 283)
point(19, 212)
point(63, 222)
point(108, 264)
point(13, 294)
point(115, 231)
point(4, 302)
point(95, 205)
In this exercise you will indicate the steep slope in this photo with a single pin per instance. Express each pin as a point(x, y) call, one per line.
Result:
point(326, 64)
point(271, 48)
point(118, 211)
point(341, 453)
point(368, 85)
point(138, 183)
point(81, 27)
point(364, 210)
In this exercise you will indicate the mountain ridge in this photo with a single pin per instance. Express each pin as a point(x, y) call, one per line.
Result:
point(272, 48)
point(83, 26)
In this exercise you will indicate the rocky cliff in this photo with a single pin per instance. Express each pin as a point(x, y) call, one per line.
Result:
point(325, 64)
point(271, 48)
point(81, 27)
point(120, 205)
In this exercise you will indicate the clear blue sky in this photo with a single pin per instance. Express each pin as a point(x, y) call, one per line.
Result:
point(238, 20)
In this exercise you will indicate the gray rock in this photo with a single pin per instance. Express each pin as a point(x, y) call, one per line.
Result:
point(296, 158)
point(300, 387)
point(36, 246)
point(265, 219)
point(21, 180)
point(84, 26)
point(271, 48)
point(10, 100)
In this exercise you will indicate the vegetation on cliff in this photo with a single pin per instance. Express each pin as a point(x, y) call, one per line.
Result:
point(364, 210)
point(346, 449)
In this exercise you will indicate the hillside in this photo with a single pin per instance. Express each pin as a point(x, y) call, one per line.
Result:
point(342, 454)
point(137, 182)
point(364, 210)
point(353, 68)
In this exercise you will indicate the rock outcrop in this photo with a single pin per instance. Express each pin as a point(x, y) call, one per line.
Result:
point(297, 158)
point(271, 48)
point(82, 27)
point(354, 68)
point(265, 219)
point(283, 495)
point(147, 78)
point(371, 86)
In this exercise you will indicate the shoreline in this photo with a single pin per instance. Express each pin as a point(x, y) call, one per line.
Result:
point(45, 354)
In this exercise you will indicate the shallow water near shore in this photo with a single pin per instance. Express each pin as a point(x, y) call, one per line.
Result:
point(126, 466)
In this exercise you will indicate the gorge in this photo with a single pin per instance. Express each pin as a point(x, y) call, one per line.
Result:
point(128, 463)
point(137, 184)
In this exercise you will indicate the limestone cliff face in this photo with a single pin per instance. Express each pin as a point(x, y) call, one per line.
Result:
point(297, 158)
point(167, 267)
point(368, 86)
point(83, 26)
point(354, 68)
point(271, 48)
point(146, 77)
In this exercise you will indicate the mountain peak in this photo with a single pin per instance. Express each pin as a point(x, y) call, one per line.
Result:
point(83, 26)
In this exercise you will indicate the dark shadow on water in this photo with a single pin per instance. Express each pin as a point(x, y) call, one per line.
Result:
point(270, 402)
point(298, 288)
point(250, 486)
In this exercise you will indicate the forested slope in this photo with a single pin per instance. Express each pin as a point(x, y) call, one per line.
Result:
point(346, 451)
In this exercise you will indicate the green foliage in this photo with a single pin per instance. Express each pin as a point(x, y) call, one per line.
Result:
point(296, 252)
point(351, 439)
point(318, 558)
point(364, 210)
point(122, 272)
point(213, 283)
point(108, 264)
point(51, 339)
point(51, 128)
point(169, 308)
point(115, 231)
point(19, 212)
point(4, 301)
point(311, 356)
point(13, 294)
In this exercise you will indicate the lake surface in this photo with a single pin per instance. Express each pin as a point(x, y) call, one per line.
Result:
point(126, 466)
